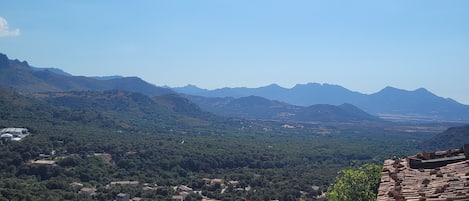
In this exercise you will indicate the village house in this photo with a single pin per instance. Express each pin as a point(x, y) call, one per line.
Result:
point(88, 191)
point(184, 188)
point(42, 162)
point(13, 134)
point(76, 185)
point(233, 183)
point(177, 198)
point(123, 197)
point(126, 197)
point(148, 188)
point(134, 183)
point(216, 181)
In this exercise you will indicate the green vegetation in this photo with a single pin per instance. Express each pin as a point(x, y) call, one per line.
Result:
point(275, 167)
point(454, 137)
point(356, 184)
point(120, 136)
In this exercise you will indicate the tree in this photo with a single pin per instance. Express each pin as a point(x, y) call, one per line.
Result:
point(356, 184)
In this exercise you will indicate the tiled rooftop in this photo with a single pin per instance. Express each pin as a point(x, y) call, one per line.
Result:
point(447, 182)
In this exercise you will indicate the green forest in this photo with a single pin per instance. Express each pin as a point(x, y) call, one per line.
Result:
point(93, 150)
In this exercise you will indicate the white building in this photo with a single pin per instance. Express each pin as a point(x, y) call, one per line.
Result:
point(14, 131)
point(14, 134)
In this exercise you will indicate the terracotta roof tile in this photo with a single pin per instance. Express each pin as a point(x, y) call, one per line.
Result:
point(447, 182)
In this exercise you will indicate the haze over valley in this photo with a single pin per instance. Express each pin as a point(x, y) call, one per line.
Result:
point(75, 117)
point(234, 100)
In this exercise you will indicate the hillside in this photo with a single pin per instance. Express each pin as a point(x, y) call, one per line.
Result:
point(454, 137)
point(21, 76)
point(95, 138)
point(341, 113)
point(138, 110)
point(254, 107)
point(389, 103)
point(22, 111)
point(117, 110)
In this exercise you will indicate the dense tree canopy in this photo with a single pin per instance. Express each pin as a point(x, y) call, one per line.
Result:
point(95, 146)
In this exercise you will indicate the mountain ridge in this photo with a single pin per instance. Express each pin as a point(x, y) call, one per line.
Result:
point(23, 77)
point(135, 109)
point(256, 107)
point(391, 103)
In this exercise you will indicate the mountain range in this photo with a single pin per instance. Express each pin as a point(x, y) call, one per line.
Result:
point(389, 103)
point(304, 102)
point(21, 76)
point(57, 85)
point(255, 107)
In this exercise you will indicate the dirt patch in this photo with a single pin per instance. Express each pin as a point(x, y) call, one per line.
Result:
point(107, 158)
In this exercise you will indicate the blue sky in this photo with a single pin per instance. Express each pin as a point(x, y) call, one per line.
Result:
point(361, 45)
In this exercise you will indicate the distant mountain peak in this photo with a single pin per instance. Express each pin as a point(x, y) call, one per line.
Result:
point(423, 91)
point(192, 86)
point(35, 80)
point(390, 102)
point(389, 88)
point(393, 90)
point(3, 56)
point(314, 85)
point(4, 60)
point(309, 84)
point(53, 70)
point(111, 77)
point(273, 85)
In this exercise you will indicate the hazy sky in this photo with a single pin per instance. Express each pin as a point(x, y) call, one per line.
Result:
point(361, 45)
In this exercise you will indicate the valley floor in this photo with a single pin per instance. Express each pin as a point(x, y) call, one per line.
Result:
point(280, 161)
